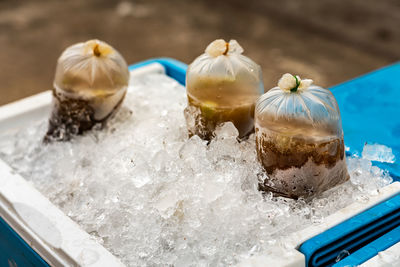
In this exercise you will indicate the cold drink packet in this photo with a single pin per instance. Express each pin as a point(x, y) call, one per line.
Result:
point(299, 139)
point(89, 85)
point(222, 85)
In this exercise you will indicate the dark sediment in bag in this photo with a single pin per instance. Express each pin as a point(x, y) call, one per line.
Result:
point(90, 84)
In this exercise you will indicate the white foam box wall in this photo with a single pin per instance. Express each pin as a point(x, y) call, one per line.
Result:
point(61, 242)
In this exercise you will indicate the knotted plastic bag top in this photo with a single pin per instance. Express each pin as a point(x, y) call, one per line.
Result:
point(223, 63)
point(297, 108)
point(91, 69)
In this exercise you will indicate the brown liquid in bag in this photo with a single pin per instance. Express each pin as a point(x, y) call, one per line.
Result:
point(217, 102)
point(222, 86)
point(206, 118)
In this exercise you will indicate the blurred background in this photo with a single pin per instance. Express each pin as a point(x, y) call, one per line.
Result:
point(329, 41)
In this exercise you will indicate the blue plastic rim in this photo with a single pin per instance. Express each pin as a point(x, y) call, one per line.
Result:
point(372, 249)
point(355, 236)
point(174, 68)
point(14, 251)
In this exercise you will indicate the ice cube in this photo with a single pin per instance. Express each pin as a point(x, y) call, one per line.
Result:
point(226, 130)
point(166, 204)
point(377, 152)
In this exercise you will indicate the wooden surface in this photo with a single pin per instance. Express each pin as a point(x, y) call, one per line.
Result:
point(329, 41)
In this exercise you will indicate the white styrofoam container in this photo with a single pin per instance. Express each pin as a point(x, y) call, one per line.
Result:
point(61, 242)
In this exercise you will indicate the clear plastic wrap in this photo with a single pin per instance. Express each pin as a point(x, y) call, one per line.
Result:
point(222, 85)
point(299, 139)
point(90, 83)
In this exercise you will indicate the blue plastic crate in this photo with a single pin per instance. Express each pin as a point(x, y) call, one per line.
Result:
point(372, 249)
point(14, 251)
point(369, 106)
point(173, 68)
point(354, 236)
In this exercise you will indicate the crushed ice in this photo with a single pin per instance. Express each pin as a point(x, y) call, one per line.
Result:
point(154, 197)
point(377, 152)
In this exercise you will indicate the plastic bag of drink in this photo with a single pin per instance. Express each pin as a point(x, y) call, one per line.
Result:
point(222, 85)
point(90, 84)
point(299, 139)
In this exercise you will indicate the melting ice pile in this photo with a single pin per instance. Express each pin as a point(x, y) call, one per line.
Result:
point(378, 152)
point(153, 197)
